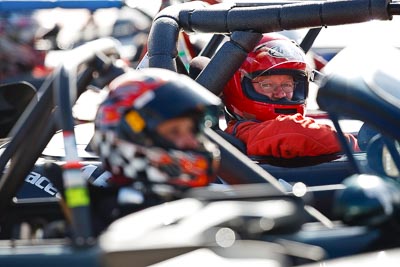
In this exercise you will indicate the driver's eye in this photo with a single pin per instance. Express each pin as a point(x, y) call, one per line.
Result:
point(287, 85)
point(267, 85)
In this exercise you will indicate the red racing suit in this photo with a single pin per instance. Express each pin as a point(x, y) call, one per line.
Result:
point(288, 136)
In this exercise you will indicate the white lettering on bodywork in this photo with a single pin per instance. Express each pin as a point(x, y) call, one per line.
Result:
point(41, 182)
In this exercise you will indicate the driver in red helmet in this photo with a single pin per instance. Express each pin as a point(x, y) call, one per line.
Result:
point(265, 102)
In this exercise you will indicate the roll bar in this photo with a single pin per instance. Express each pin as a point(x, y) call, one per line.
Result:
point(245, 25)
point(250, 21)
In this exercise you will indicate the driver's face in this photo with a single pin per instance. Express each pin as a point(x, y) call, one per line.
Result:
point(180, 131)
point(275, 86)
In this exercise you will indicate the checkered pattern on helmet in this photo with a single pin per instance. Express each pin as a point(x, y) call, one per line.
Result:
point(126, 158)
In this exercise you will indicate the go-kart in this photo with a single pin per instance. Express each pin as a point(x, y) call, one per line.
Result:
point(33, 173)
point(222, 56)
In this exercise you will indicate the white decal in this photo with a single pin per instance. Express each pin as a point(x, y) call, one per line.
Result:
point(41, 182)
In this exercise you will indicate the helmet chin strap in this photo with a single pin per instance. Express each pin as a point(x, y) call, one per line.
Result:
point(285, 111)
point(231, 116)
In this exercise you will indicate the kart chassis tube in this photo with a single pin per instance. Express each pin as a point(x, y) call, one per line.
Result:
point(30, 136)
point(37, 125)
point(66, 93)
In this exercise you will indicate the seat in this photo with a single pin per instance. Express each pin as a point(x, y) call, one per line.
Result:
point(14, 98)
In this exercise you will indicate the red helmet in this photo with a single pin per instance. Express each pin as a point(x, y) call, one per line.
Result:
point(275, 54)
point(126, 139)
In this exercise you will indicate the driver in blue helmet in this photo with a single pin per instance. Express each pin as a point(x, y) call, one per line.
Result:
point(149, 131)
